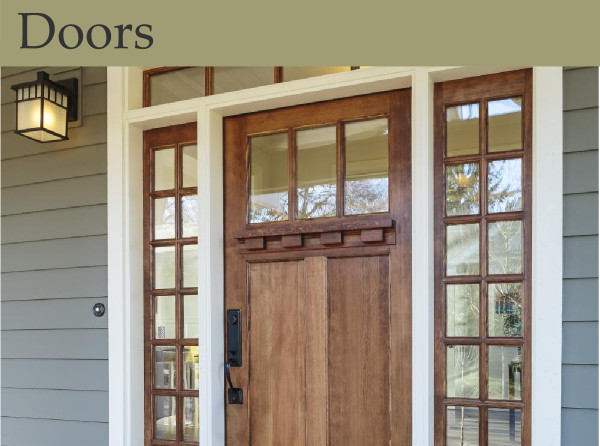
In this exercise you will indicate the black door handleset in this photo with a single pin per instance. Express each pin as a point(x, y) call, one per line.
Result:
point(235, 395)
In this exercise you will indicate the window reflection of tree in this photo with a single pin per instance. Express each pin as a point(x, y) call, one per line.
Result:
point(505, 185)
point(466, 370)
point(504, 251)
point(317, 201)
point(366, 196)
point(462, 189)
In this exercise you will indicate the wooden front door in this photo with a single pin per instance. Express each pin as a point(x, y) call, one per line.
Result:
point(318, 261)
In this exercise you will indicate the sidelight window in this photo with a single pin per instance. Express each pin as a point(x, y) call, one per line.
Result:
point(171, 281)
point(483, 167)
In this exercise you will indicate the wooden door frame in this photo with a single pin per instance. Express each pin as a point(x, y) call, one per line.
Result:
point(126, 122)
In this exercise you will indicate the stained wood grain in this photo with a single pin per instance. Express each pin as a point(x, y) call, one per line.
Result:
point(316, 335)
point(276, 388)
point(359, 351)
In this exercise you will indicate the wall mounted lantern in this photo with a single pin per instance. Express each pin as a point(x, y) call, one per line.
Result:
point(44, 108)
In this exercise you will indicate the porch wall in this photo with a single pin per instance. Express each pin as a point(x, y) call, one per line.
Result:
point(580, 268)
point(54, 257)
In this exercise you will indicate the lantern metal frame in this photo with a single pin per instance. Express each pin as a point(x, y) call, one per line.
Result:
point(66, 87)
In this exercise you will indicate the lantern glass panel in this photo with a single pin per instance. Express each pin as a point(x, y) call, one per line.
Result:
point(55, 118)
point(29, 114)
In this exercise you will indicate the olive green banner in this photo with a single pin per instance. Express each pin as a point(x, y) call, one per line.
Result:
point(308, 32)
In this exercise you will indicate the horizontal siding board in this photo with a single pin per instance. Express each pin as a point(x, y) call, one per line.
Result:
point(580, 257)
point(580, 88)
point(580, 172)
point(580, 300)
point(51, 254)
point(581, 214)
point(94, 99)
point(28, 432)
point(65, 374)
point(60, 194)
point(55, 284)
point(580, 130)
point(59, 223)
point(55, 344)
point(94, 75)
point(77, 162)
point(92, 132)
point(579, 427)
point(574, 394)
point(580, 343)
point(52, 314)
point(55, 404)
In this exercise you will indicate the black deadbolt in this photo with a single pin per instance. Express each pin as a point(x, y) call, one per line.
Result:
point(99, 310)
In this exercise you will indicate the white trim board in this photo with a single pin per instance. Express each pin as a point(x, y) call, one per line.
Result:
point(127, 121)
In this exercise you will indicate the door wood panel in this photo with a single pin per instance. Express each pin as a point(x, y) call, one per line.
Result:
point(276, 335)
point(359, 351)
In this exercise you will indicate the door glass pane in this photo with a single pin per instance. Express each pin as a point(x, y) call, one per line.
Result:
point(463, 310)
point(189, 163)
point(187, 83)
point(164, 169)
point(462, 130)
point(239, 78)
point(366, 183)
point(462, 426)
point(316, 172)
point(164, 317)
point(269, 178)
point(164, 367)
point(462, 189)
point(190, 419)
point(505, 186)
point(165, 423)
point(505, 247)
point(189, 216)
point(190, 316)
point(294, 73)
point(462, 371)
point(462, 250)
point(504, 427)
point(164, 218)
point(504, 125)
point(505, 309)
point(164, 267)
point(190, 266)
point(505, 365)
point(191, 369)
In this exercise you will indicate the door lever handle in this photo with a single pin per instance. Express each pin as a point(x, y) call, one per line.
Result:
point(235, 395)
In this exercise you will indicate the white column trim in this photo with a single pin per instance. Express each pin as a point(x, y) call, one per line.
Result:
point(547, 247)
point(117, 399)
point(422, 259)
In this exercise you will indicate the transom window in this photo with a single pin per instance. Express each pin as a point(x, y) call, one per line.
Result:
point(328, 171)
point(169, 84)
point(483, 172)
point(171, 286)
